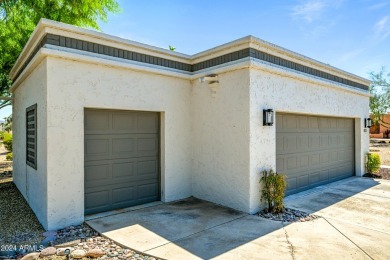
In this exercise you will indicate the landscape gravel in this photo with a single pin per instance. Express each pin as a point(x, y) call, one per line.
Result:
point(76, 242)
point(288, 215)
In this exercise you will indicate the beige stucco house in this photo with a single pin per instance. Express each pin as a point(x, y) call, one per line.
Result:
point(102, 123)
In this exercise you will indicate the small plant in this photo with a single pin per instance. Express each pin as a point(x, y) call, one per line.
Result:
point(373, 163)
point(7, 141)
point(9, 156)
point(274, 185)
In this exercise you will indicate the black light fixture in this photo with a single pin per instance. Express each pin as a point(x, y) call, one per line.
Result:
point(268, 117)
point(367, 122)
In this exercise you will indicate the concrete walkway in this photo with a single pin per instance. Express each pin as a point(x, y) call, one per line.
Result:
point(354, 225)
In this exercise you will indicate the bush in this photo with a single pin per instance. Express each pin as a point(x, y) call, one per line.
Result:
point(2, 134)
point(373, 163)
point(9, 156)
point(272, 192)
point(7, 141)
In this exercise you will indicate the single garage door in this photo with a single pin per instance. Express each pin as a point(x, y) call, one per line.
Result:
point(313, 150)
point(121, 159)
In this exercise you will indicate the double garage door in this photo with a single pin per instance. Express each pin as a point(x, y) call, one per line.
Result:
point(121, 159)
point(313, 150)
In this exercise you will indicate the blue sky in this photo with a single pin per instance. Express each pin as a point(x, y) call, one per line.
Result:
point(353, 35)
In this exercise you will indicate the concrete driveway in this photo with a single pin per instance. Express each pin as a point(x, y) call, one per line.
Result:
point(355, 224)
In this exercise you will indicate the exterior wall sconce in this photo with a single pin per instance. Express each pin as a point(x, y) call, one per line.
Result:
point(268, 117)
point(367, 122)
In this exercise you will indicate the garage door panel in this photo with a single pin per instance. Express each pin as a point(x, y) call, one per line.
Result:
point(147, 145)
point(121, 160)
point(304, 161)
point(124, 195)
point(280, 164)
point(147, 190)
point(123, 145)
point(97, 199)
point(96, 121)
point(97, 147)
point(147, 123)
point(313, 150)
point(314, 177)
point(118, 172)
point(124, 122)
point(100, 172)
point(124, 170)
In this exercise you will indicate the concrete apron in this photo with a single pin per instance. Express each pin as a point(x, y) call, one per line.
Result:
point(355, 225)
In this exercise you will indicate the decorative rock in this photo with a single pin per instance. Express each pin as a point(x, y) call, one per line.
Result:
point(288, 215)
point(61, 251)
point(113, 254)
point(31, 256)
point(48, 251)
point(69, 244)
point(95, 253)
point(78, 253)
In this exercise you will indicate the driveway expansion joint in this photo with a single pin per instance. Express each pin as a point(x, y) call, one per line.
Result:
point(348, 238)
point(292, 251)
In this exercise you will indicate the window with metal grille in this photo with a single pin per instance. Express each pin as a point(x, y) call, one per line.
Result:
point(31, 136)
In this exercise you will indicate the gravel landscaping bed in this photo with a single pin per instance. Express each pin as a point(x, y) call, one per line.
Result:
point(21, 235)
point(18, 223)
point(288, 215)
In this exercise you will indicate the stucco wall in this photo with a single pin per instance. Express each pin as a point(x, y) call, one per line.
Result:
point(220, 140)
point(284, 91)
point(31, 183)
point(73, 86)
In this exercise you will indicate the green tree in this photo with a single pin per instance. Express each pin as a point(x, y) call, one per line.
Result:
point(18, 19)
point(8, 123)
point(380, 100)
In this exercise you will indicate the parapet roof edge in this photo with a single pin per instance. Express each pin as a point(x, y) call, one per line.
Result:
point(46, 23)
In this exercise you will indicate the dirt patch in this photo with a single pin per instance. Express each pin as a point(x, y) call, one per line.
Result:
point(382, 147)
point(384, 173)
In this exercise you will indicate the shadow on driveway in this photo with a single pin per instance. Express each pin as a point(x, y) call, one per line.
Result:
point(196, 229)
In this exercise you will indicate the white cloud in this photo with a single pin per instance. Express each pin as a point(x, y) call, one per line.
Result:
point(309, 10)
point(351, 55)
point(382, 28)
point(378, 6)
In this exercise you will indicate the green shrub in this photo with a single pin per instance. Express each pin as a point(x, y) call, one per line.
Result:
point(2, 134)
point(7, 141)
point(9, 156)
point(272, 192)
point(373, 163)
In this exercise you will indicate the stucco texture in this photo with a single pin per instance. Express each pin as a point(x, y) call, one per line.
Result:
point(220, 140)
point(74, 86)
point(284, 92)
point(31, 183)
point(212, 146)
